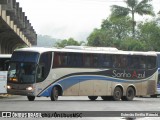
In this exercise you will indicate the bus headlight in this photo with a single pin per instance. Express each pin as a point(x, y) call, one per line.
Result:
point(8, 87)
point(29, 88)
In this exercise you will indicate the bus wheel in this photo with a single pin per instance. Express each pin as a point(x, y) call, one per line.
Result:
point(130, 93)
point(92, 97)
point(54, 94)
point(106, 98)
point(117, 94)
point(31, 98)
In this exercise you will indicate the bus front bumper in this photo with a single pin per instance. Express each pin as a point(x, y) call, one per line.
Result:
point(20, 92)
point(26, 90)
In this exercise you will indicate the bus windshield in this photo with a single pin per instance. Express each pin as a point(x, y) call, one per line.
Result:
point(23, 67)
point(25, 57)
point(22, 72)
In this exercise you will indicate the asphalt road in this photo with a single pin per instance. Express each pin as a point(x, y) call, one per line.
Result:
point(20, 103)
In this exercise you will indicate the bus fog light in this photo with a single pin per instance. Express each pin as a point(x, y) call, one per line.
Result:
point(8, 87)
point(29, 88)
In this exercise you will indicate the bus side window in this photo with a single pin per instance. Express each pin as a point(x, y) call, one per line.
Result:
point(87, 60)
point(142, 64)
point(65, 57)
point(133, 62)
point(116, 63)
point(4, 64)
point(74, 60)
point(40, 72)
point(1, 66)
point(69, 59)
point(79, 60)
point(62, 60)
point(56, 60)
point(100, 61)
point(95, 60)
point(44, 66)
point(107, 62)
point(151, 62)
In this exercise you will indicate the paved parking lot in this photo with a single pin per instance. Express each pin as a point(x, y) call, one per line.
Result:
point(20, 103)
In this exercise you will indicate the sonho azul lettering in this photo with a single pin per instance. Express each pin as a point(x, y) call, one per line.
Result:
point(125, 74)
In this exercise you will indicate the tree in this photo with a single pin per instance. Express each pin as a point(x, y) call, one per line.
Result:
point(120, 27)
point(68, 42)
point(133, 6)
point(95, 38)
point(111, 33)
point(149, 33)
point(132, 44)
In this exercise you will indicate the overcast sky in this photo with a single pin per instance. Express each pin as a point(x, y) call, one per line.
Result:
point(63, 19)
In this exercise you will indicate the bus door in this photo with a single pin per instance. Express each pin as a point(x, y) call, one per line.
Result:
point(3, 82)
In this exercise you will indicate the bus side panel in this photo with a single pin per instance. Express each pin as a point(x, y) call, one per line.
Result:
point(100, 87)
point(150, 87)
point(139, 89)
point(144, 88)
point(3, 82)
point(109, 88)
point(86, 88)
point(72, 91)
point(152, 84)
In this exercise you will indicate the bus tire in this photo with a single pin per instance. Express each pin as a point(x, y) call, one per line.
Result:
point(92, 98)
point(106, 98)
point(31, 98)
point(130, 94)
point(117, 94)
point(54, 94)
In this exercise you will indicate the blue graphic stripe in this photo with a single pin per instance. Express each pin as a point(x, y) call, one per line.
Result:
point(73, 80)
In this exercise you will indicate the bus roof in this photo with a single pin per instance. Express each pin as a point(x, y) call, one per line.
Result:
point(92, 48)
point(158, 53)
point(97, 50)
point(5, 55)
point(35, 49)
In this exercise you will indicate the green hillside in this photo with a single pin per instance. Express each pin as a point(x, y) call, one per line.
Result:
point(46, 41)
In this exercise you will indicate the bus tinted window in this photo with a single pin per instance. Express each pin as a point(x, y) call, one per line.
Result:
point(104, 61)
point(44, 66)
point(67, 60)
point(150, 62)
point(25, 56)
point(136, 62)
point(4, 64)
point(86, 60)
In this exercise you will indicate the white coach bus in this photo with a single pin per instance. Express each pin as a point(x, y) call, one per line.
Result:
point(4, 63)
point(82, 71)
